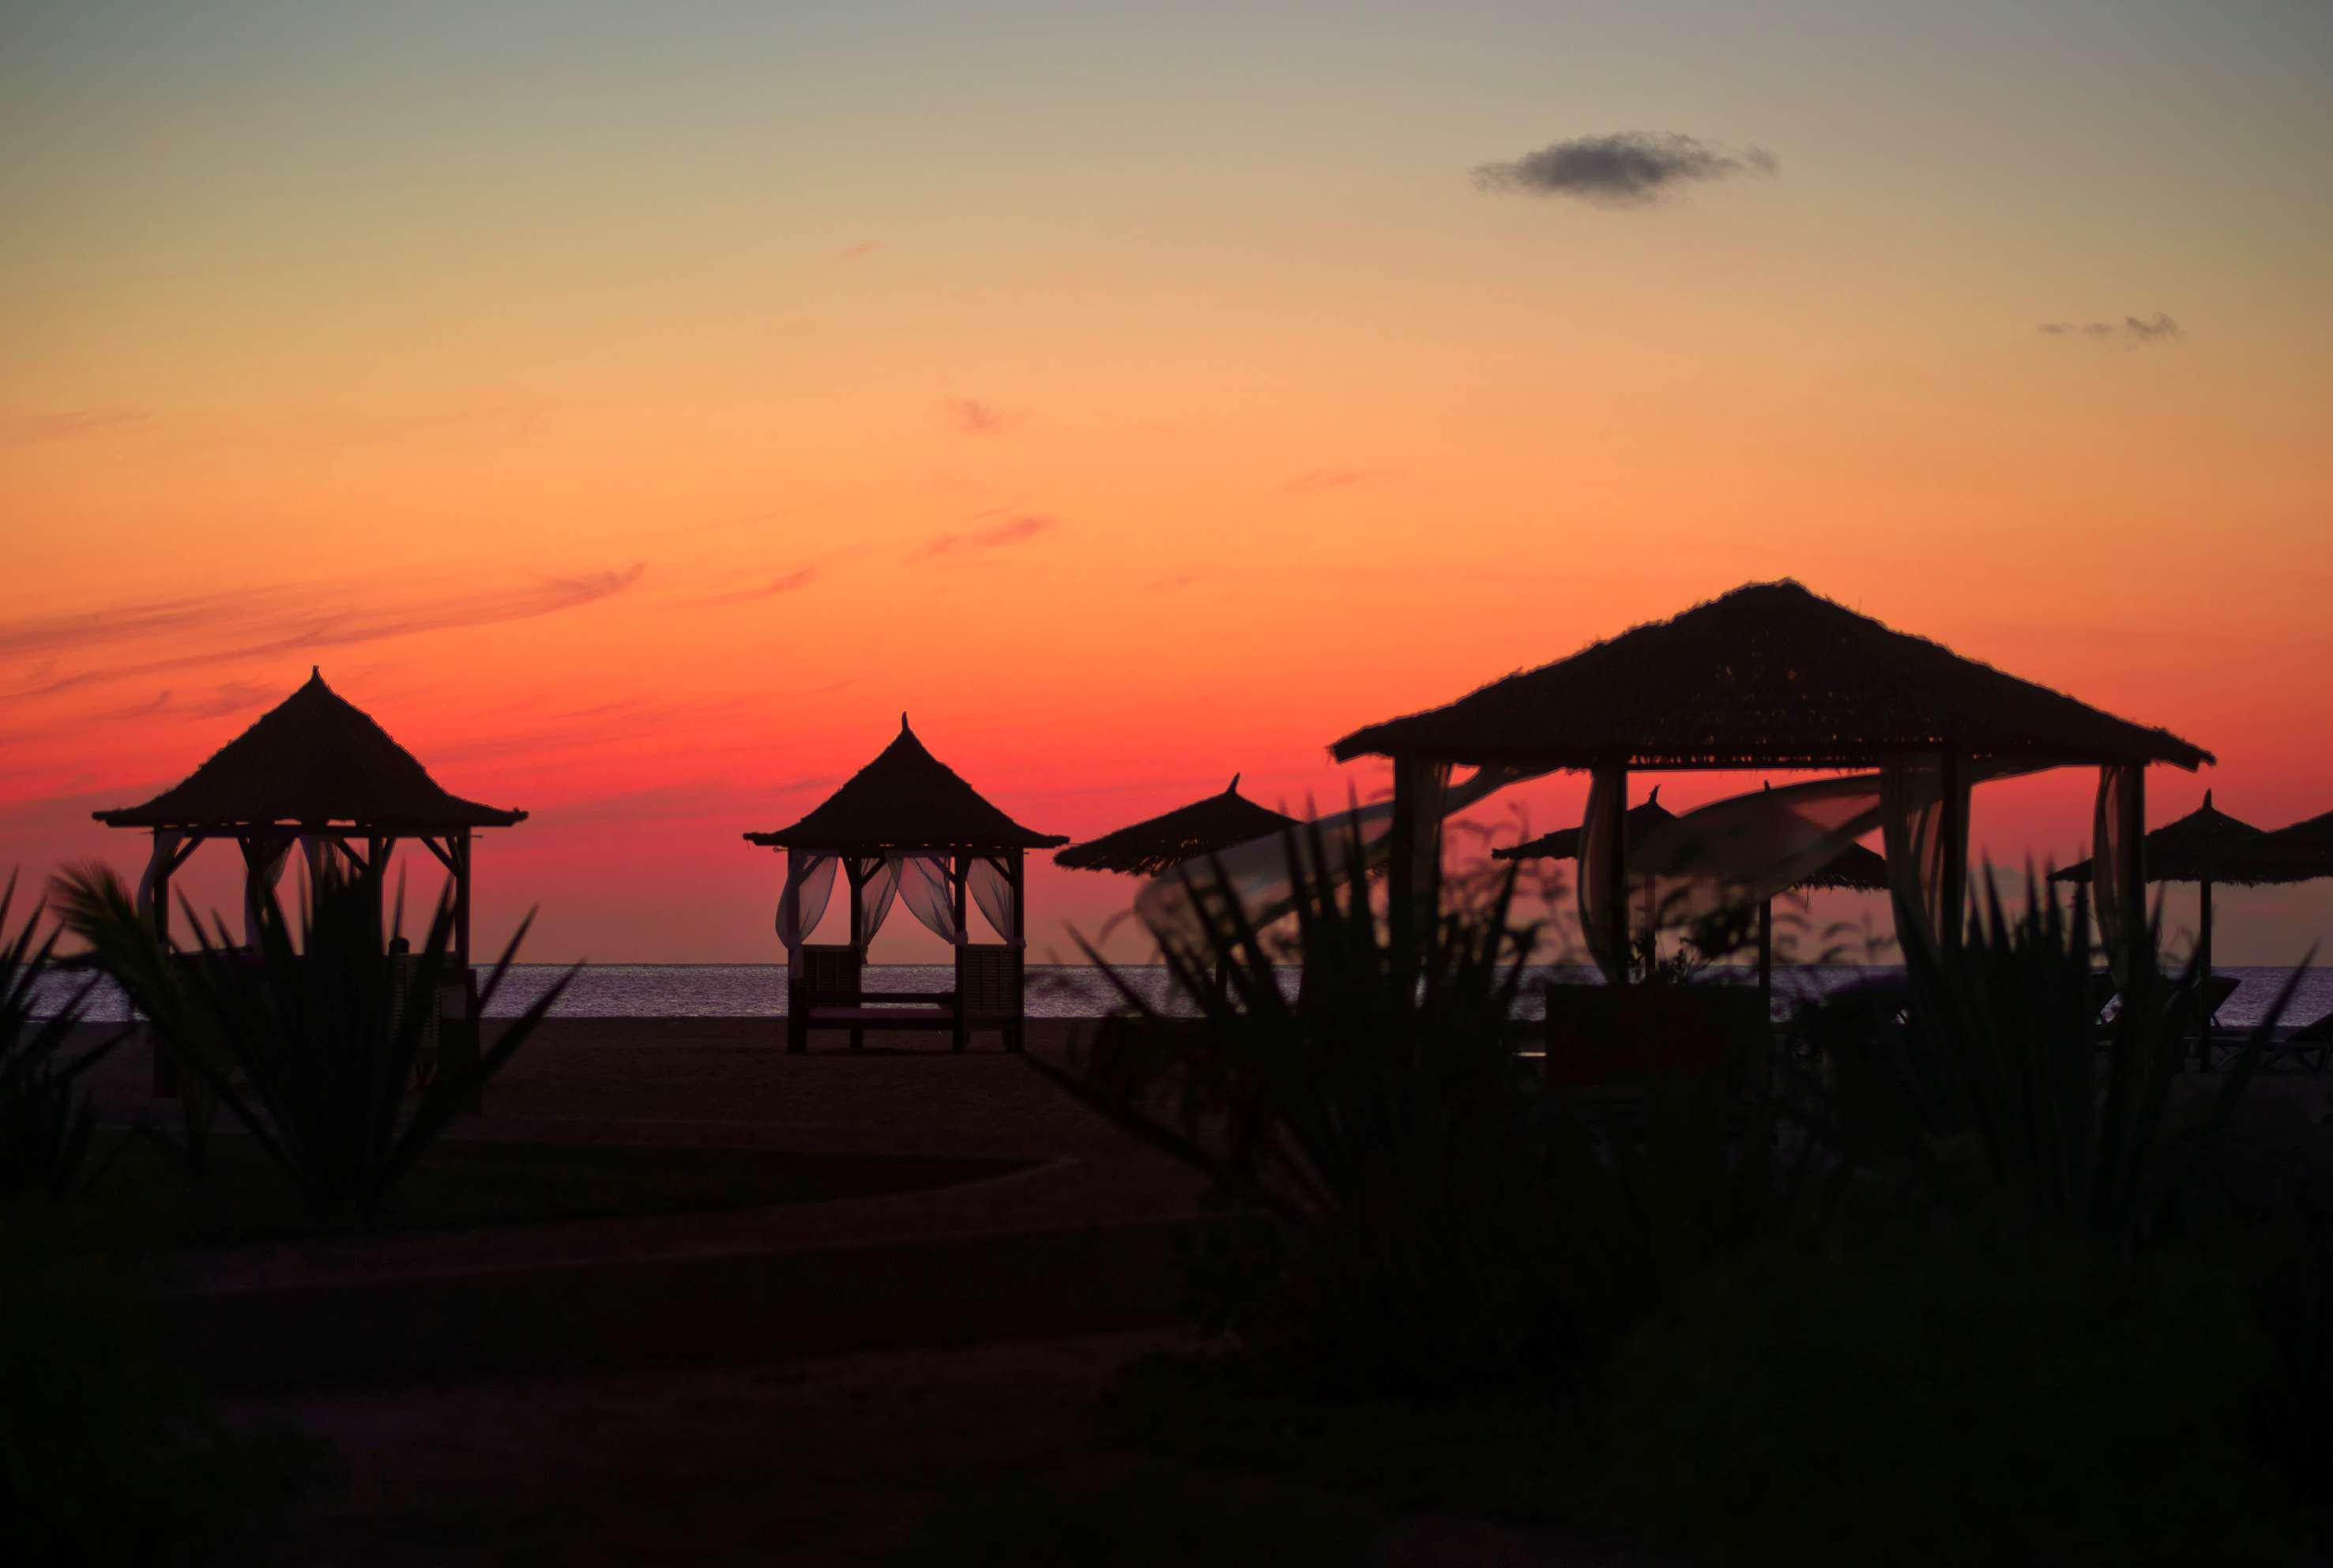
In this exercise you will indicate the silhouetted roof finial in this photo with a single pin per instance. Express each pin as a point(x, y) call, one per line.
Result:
point(1232, 788)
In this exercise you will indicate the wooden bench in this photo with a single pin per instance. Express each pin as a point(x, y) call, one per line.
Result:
point(825, 990)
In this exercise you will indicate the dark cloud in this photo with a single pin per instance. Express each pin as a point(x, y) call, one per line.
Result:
point(2130, 332)
point(268, 623)
point(1627, 168)
point(1015, 530)
point(23, 428)
point(970, 417)
point(801, 578)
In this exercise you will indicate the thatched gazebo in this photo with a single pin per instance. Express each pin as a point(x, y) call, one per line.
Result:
point(1852, 869)
point(1161, 843)
point(1769, 676)
point(905, 826)
point(314, 770)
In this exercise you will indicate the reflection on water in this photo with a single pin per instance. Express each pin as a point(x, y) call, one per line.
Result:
point(1074, 991)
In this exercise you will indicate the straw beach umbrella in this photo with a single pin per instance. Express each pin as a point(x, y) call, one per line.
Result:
point(1161, 843)
point(2209, 848)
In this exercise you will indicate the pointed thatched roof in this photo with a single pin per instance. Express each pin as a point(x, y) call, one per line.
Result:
point(2207, 844)
point(1767, 675)
point(313, 758)
point(1854, 868)
point(1202, 827)
point(906, 798)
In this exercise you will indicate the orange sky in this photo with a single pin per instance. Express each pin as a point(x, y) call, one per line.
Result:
point(635, 420)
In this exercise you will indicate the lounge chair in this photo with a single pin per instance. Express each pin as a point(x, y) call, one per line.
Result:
point(2308, 1046)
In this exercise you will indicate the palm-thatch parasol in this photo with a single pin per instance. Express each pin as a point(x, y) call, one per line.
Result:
point(2208, 847)
point(1852, 869)
point(1161, 843)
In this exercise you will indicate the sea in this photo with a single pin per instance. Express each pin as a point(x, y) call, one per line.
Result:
point(704, 990)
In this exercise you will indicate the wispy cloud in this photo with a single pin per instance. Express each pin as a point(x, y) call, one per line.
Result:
point(853, 252)
point(800, 578)
point(2130, 332)
point(19, 429)
point(1015, 530)
point(970, 417)
point(1320, 479)
point(1626, 168)
point(1181, 579)
point(268, 623)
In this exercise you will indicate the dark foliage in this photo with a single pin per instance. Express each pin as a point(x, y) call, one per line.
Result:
point(46, 1123)
point(310, 1044)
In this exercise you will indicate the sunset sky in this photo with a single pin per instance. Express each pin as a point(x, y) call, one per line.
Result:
point(635, 408)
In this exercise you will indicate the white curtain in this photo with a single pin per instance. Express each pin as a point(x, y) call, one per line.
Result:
point(1737, 852)
point(810, 883)
point(2116, 900)
point(166, 847)
point(1599, 840)
point(1923, 824)
point(926, 888)
point(992, 891)
point(1176, 906)
point(260, 878)
point(880, 887)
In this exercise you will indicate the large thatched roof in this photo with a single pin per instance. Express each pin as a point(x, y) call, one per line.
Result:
point(313, 758)
point(1769, 676)
point(2207, 844)
point(906, 798)
point(1854, 868)
point(1202, 827)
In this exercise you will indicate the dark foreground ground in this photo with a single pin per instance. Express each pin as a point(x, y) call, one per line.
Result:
point(798, 1455)
point(791, 1457)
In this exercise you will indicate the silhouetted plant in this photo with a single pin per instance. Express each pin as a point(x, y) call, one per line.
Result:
point(2003, 1071)
point(1425, 1183)
point(46, 1122)
point(311, 1045)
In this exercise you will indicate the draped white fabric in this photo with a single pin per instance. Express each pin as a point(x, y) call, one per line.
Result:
point(810, 883)
point(166, 847)
point(926, 888)
point(992, 891)
point(879, 884)
point(1177, 909)
point(2111, 828)
point(1737, 852)
point(1600, 831)
point(260, 878)
point(1921, 827)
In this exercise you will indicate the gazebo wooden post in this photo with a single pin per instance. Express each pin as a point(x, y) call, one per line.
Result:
point(1953, 872)
point(1017, 872)
point(166, 1067)
point(857, 937)
point(1616, 883)
point(1766, 959)
point(470, 1026)
point(1403, 895)
point(959, 875)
